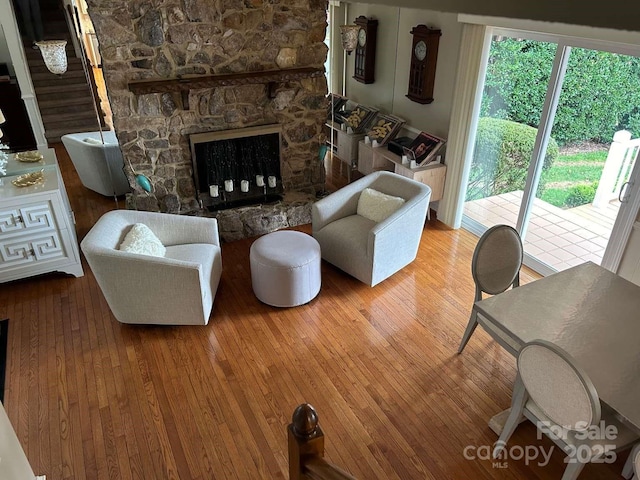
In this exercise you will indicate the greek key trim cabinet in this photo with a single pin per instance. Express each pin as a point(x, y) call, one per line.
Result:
point(37, 232)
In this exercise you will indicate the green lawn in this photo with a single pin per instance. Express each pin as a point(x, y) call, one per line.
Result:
point(572, 179)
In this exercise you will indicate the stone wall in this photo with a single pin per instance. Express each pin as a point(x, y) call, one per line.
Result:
point(163, 39)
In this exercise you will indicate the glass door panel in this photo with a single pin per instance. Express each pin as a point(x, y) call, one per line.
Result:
point(518, 73)
point(567, 224)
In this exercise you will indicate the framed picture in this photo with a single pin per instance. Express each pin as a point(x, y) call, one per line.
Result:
point(424, 148)
point(360, 118)
point(384, 127)
point(336, 103)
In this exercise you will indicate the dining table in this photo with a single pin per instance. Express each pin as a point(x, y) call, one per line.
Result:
point(590, 312)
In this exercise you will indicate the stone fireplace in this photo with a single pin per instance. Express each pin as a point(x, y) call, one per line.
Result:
point(179, 68)
point(237, 167)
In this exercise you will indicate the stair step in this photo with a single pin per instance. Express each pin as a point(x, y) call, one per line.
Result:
point(47, 111)
point(69, 118)
point(62, 89)
point(66, 79)
point(37, 66)
point(53, 136)
point(55, 101)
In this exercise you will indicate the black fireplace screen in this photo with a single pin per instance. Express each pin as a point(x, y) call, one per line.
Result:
point(242, 170)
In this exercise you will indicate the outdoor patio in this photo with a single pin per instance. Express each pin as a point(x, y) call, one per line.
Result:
point(559, 238)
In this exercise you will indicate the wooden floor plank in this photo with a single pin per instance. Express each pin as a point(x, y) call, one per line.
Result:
point(92, 398)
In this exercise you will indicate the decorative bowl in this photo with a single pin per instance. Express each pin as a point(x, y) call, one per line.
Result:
point(30, 156)
point(28, 179)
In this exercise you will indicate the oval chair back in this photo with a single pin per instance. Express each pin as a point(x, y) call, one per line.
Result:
point(496, 261)
point(559, 388)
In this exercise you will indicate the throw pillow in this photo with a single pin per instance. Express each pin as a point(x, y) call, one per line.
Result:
point(140, 239)
point(376, 205)
point(92, 141)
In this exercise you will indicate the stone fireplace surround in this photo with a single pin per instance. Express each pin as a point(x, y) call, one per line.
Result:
point(160, 40)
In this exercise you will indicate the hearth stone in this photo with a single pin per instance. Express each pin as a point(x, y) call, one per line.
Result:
point(243, 222)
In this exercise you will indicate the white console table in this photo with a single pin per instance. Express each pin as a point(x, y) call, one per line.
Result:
point(372, 159)
point(37, 227)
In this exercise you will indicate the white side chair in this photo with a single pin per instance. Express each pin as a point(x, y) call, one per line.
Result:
point(495, 267)
point(366, 250)
point(177, 289)
point(632, 466)
point(551, 390)
point(99, 166)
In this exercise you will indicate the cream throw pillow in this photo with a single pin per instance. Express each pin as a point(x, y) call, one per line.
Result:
point(140, 239)
point(376, 205)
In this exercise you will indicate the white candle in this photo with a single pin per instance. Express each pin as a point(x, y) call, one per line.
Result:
point(272, 181)
point(244, 185)
point(405, 159)
point(350, 130)
point(213, 190)
point(260, 180)
point(367, 140)
point(228, 185)
point(375, 143)
point(413, 164)
point(343, 127)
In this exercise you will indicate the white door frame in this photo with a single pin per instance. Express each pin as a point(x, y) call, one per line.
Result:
point(630, 207)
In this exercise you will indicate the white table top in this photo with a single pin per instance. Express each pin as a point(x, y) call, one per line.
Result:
point(16, 167)
point(591, 313)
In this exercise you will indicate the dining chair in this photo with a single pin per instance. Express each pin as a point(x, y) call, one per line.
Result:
point(552, 391)
point(631, 468)
point(495, 266)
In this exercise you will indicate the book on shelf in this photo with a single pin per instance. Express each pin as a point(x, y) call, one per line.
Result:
point(384, 127)
point(424, 148)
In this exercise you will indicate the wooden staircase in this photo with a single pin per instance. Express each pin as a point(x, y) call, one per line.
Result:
point(65, 101)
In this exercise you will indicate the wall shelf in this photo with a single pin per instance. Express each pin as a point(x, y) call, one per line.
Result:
point(185, 84)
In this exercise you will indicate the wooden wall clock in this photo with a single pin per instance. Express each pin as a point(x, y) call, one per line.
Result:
point(424, 56)
point(366, 50)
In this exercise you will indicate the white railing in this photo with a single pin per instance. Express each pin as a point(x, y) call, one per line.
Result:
point(620, 160)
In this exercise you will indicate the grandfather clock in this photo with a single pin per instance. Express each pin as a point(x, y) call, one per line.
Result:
point(424, 55)
point(366, 50)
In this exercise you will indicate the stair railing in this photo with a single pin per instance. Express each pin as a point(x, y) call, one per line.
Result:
point(306, 448)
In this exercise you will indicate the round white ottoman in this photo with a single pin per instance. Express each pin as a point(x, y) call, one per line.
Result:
point(285, 268)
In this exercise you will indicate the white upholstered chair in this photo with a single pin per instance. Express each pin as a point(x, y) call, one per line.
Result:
point(366, 250)
point(177, 289)
point(632, 466)
point(495, 267)
point(553, 392)
point(99, 166)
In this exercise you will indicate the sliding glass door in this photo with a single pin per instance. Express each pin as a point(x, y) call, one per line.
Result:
point(548, 117)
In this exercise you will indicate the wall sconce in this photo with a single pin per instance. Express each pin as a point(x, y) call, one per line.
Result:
point(349, 37)
point(54, 55)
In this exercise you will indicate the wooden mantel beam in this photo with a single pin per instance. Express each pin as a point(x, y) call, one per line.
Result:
point(143, 87)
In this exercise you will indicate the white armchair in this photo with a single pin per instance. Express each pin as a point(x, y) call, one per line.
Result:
point(370, 251)
point(177, 289)
point(99, 166)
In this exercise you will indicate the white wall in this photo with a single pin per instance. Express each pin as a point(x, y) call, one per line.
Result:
point(393, 58)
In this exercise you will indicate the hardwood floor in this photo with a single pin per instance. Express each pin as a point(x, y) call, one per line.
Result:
point(91, 398)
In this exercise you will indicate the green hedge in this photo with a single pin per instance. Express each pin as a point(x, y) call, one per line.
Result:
point(600, 95)
point(502, 156)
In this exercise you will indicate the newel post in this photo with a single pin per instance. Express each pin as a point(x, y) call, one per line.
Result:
point(305, 438)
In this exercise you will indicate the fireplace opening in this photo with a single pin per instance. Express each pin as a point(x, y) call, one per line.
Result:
point(237, 167)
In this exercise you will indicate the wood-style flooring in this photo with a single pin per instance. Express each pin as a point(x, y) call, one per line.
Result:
point(91, 398)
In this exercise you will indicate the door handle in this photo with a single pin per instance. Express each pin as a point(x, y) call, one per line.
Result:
point(623, 189)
